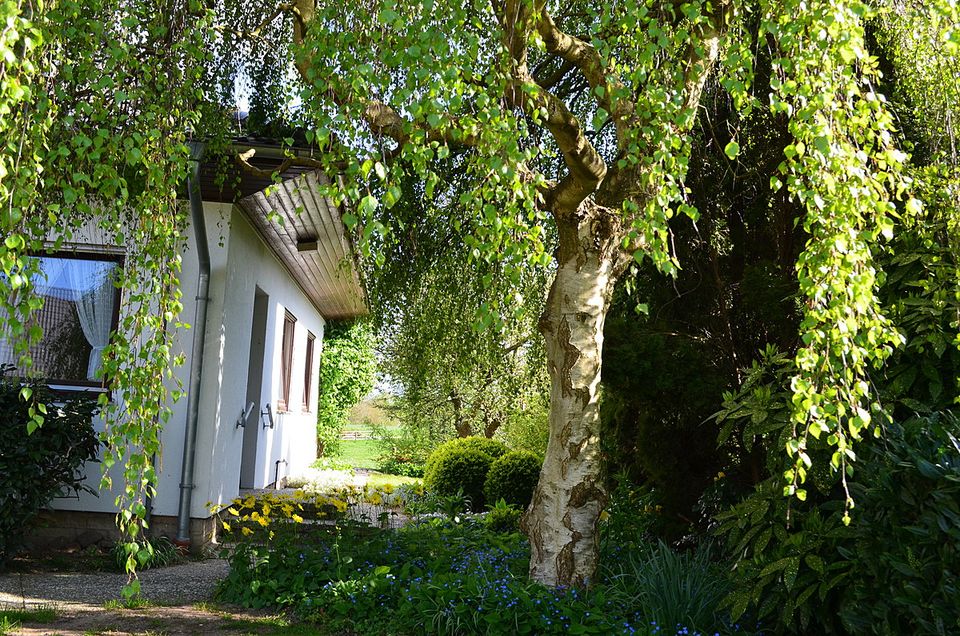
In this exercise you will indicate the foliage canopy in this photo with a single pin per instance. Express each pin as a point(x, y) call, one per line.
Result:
point(569, 124)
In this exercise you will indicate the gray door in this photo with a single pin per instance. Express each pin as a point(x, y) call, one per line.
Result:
point(251, 434)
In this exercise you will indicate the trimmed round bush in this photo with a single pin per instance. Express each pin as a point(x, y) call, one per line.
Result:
point(461, 465)
point(454, 470)
point(487, 446)
point(513, 478)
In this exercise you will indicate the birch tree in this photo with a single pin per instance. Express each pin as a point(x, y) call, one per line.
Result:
point(571, 120)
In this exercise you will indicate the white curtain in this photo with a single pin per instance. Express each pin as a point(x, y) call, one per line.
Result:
point(95, 293)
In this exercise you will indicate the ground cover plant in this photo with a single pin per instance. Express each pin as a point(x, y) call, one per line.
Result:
point(12, 618)
point(443, 577)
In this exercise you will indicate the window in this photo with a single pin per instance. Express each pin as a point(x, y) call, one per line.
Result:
point(80, 310)
point(286, 360)
point(308, 371)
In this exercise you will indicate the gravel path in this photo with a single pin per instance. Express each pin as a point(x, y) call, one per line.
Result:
point(174, 585)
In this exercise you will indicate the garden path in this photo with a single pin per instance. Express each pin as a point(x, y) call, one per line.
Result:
point(177, 602)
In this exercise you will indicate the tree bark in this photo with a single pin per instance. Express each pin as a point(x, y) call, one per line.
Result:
point(460, 423)
point(562, 519)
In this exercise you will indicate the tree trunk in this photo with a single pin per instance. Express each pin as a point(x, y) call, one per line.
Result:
point(563, 516)
point(460, 423)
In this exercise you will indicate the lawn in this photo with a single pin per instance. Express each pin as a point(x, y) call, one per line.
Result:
point(379, 480)
point(361, 453)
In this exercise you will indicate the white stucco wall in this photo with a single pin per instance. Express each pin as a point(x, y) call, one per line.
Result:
point(251, 266)
point(240, 264)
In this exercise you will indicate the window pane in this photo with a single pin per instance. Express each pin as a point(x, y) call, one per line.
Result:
point(79, 312)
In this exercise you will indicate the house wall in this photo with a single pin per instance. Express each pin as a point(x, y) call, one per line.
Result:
point(240, 264)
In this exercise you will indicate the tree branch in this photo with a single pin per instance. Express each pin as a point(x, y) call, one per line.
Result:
point(243, 160)
point(586, 168)
point(254, 34)
point(585, 57)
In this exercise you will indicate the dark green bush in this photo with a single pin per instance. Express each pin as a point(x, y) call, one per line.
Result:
point(894, 570)
point(395, 466)
point(36, 467)
point(513, 478)
point(458, 470)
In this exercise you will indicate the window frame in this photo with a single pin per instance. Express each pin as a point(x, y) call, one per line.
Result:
point(287, 345)
point(308, 370)
point(66, 386)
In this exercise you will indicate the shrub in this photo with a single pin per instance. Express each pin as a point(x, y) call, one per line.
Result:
point(36, 467)
point(394, 466)
point(503, 517)
point(403, 450)
point(902, 546)
point(458, 470)
point(485, 445)
point(513, 478)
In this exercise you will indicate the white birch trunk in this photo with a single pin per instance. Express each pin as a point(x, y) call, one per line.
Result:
point(563, 516)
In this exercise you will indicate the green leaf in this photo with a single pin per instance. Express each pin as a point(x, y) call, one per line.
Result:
point(732, 149)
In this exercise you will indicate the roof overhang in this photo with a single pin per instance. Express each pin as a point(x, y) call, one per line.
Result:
point(300, 226)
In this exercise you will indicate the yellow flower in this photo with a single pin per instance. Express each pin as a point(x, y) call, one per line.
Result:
point(297, 518)
point(247, 531)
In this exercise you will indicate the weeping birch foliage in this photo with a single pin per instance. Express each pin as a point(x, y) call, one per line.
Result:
point(573, 121)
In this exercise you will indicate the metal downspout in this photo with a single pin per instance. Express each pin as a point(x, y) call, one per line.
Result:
point(199, 338)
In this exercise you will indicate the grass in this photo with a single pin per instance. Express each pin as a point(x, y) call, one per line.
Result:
point(12, 618)
point(271, 625)
point(379, 480)
point(361, 453)
point(133, 603)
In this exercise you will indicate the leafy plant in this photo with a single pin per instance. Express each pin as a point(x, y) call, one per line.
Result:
point(513, 478)
point(503, 517)
point(462, 470)
point(149, 553)
point(492, 447)
point(800, 565)
point(668, 587)
point(461, 465)
point(405, 449)
point(436, 578)
point(37, 466)
point(347, 373)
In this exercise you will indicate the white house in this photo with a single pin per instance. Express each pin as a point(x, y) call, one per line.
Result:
point(270, 289)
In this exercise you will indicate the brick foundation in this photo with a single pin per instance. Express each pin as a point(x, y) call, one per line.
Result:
point(58, 529)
